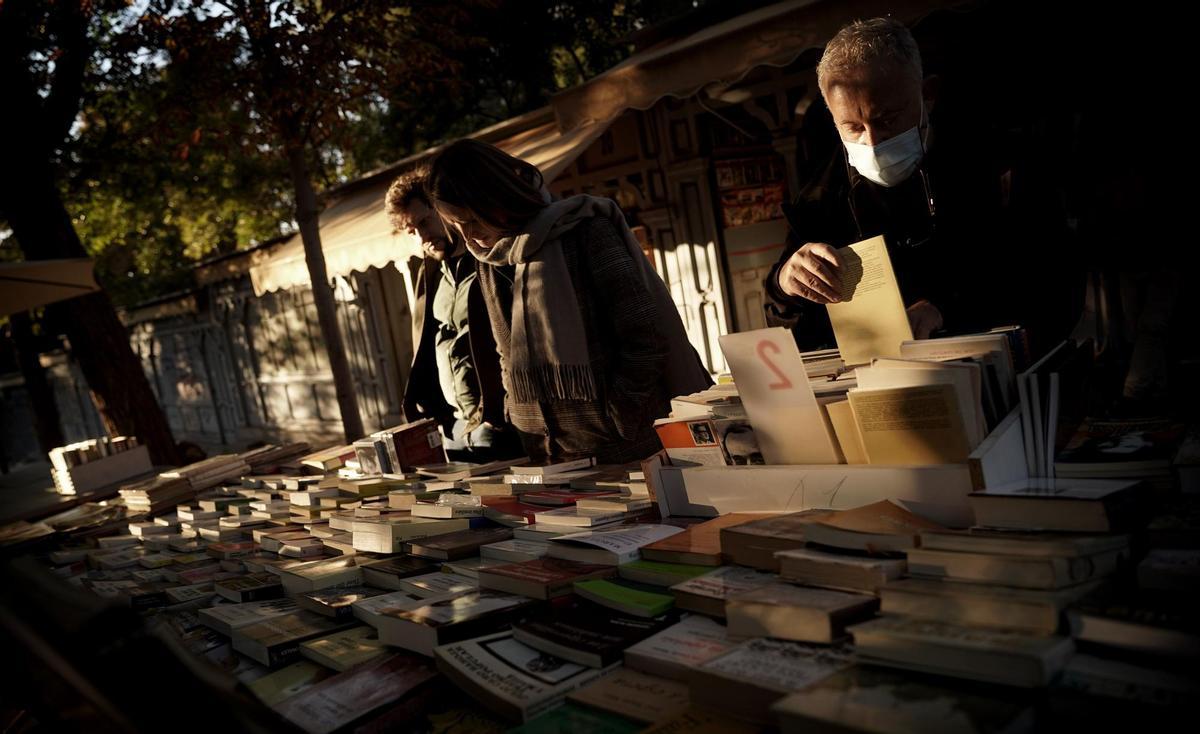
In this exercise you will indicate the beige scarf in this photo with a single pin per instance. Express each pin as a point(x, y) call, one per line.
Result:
point(548, 354)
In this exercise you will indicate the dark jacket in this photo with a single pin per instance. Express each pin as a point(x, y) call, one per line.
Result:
point(995, 250)
point(423, 394)
point(625, 349)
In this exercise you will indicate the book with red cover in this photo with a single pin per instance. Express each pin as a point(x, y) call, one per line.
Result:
point(542, 578)
point(417, 444)
point(562, 497)
point(510, 511)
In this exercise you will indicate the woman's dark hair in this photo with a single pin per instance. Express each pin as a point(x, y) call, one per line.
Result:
point(502, 191)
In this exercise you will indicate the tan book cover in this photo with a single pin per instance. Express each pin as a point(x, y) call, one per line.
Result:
point(870, 320)
point(882, 518)
point(277, 687)
point(634, 695)
point(787, 612)
point(344, 650)
point(964, 378)
point(910, 425)
point(994, 656)
point(841, 417)
point(699, 544)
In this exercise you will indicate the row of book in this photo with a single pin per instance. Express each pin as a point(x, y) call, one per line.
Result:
point(81, 452)
point(568, 602)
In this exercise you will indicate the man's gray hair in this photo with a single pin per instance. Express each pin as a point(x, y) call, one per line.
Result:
point(876, 43)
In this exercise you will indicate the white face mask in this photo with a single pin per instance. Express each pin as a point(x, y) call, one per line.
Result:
point(892, 161)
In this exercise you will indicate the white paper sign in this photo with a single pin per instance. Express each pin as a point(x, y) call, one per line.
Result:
point(774, 388)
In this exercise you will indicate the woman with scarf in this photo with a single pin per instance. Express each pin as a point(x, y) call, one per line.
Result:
point(591, 345)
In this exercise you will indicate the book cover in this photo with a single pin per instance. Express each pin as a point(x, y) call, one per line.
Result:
point(1065, 504)
point(1027, 572)
point(1154, 625)
point(510, 511)
point(341, 700)
point(908, 426)
point(565, 497)
point(276, 687)
point(585, 633)
point(629, 597)
point(700, 543)
point(787, 612)
point(660, 574)
point(774, 530)
point(370, 610)
point(869, 320)
point(273, 642)
point(1020, 543)
point(462, 544)
point(614, 546)
point(228, 617)
point(614, 503)
point(990, 655)
point(1127, 445)
point(343, 650)
point(635, 695)
point(387, 572)
point(873, 699)
point(879, 526)
point(778, 665)
point(542, 578)
point(676, 650)
point(708, 593)
point(255, 587)
point(570, 516)
point(514, 680)
point(979, 605)
point(557, 468)
point(514, 551)
point(458, 610)
point(337, 602)
point(838, 570)
point(691, 441)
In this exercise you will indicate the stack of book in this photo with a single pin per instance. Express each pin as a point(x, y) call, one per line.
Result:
point(986, 604)
point(156, 494)
point(271, 457)
point(328, 459)
point(562, 600)
point(210, 472)
point(1132, 449)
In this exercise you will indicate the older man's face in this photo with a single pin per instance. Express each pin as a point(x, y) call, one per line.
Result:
point(424, 222)
point(871, 107)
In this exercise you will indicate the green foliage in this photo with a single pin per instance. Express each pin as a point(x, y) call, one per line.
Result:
point(177, 152)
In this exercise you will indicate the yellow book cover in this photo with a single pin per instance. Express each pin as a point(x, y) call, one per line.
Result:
point(870, 320)
point(841, 417)
point(910, 425)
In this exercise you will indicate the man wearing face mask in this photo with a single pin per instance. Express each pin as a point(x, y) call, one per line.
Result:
point(455, 376)
point(938, 194)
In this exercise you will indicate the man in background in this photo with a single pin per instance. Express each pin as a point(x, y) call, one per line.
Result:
point(455, 377)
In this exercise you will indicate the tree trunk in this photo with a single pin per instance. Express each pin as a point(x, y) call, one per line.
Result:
point(46, 421)
point(98, 339)
point(310, 234)
point(30, 128)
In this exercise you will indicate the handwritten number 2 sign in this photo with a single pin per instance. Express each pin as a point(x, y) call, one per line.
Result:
point(765, 346)
point(780, 403)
